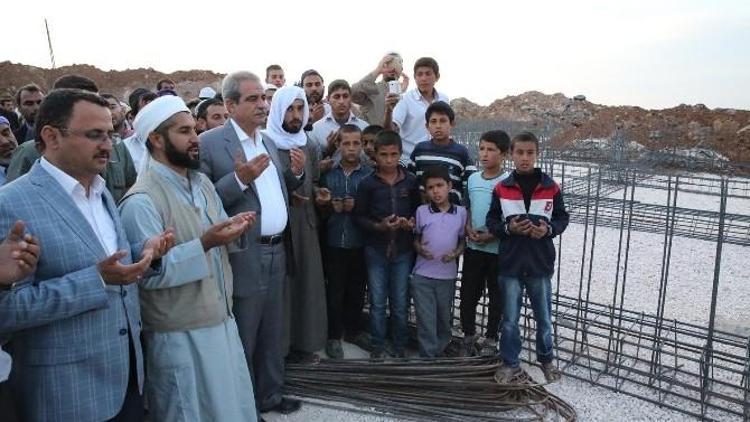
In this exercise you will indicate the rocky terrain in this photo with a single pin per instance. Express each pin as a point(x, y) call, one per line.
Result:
point(566, 120)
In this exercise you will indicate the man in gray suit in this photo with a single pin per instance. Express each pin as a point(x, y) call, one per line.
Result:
point(248, 176)
point(75, 320)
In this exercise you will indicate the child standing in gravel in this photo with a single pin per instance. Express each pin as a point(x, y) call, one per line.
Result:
point(480, 257)
point(526, 213)
point(439, 241)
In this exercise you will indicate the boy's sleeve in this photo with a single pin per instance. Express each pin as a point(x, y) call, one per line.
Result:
point(418, 223)
point(399, 114)
point(495, 219)
point(465, 217)
point(362, 206)
point(560, 216)
point(412, 164)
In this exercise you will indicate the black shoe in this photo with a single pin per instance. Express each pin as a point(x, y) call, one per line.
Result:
point(285, 406)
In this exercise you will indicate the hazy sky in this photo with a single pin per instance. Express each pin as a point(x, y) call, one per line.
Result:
point(654, 54)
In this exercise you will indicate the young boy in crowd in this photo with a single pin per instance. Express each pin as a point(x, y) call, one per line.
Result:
point(386, 201)
point(441, 150)
point(344, 257)
point(439, 241)
point(480, 256)
point(368, 141)
point(526, 213)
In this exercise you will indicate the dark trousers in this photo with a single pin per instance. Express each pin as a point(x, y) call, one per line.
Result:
point(7, 406)
point(132, 408)
point(479, 272)
point(345, 290)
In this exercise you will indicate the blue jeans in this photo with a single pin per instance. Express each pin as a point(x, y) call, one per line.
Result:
point(388, 283)
point(539, 291)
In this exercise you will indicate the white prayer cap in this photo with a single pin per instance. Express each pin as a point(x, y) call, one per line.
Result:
point(272, 87)
point(206, 92)
point(155, 113)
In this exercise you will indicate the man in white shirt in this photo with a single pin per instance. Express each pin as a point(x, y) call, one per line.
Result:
point(407, 117)
point(245, 169)
point(325, 129)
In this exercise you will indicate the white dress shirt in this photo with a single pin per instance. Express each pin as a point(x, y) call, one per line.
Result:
point(137, 149)
point(408, 115)
point(323, 127)
point(91, 206)
point(273, 207)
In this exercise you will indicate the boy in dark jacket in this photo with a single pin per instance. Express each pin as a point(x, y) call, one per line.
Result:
point(526, 213)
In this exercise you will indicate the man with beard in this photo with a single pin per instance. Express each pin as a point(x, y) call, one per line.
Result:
point(210, 113)
point(312, 83)
point(195, 362)
point(75, 320)
point(371, 95)
point(307, 286)
point(246, 169)
point(120, 173)
point(118, 117)
point(8, 144)
point(28, 98)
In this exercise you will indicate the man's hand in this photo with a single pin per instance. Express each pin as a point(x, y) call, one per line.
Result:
point(19, 254)
point(540, 230)
point(115, 273)
point(348, 204)
point(322, 197)
point(249, 171)
point(297, 158)
point(478, 237)
point(421, 248)
point(519, 227)
point(317, 111)
point(160, 244)
point(228, 230)
point(325, 165)
point(404, 82)
point(390, 102)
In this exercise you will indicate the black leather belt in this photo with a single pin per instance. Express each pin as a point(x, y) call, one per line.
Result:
point(271, 240)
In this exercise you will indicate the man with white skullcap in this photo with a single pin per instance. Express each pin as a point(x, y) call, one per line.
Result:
point(195, 361)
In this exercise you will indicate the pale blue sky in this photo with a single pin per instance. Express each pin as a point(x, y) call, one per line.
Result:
point(654, 54)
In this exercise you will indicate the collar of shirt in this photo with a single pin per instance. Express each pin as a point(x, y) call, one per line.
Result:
point(436, 97)
point(70, 184)
point(435, 210)
point(242, 135)
point(337, 165)
point(352, 118)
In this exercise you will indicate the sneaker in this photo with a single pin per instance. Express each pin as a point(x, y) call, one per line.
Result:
point(334, 349)
point(551, 374)
point(488, 347)
point(377, 355)
point(470, 347)
point(505, 374)
point(452, 350)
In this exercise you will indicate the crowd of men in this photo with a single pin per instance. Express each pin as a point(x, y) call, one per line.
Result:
point(170, 255)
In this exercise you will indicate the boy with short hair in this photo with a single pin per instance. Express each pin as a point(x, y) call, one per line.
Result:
point(386, 201)
point(439, 241)
point(368, 141)
point(526, 213)
point(344, 241)
point(480, 256)
point(440, 149)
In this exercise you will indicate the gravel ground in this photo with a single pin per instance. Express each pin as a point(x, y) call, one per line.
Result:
point(688, 299)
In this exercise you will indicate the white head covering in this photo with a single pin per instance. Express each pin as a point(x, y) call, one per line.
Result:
point(206, 92)
point(282, 99)
point(152, 115)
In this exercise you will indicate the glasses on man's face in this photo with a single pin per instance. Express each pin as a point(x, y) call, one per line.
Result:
point(94, 135)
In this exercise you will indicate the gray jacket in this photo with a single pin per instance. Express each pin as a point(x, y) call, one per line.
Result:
point(218, 149)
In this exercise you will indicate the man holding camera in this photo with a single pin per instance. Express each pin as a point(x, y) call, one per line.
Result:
point(371, 95)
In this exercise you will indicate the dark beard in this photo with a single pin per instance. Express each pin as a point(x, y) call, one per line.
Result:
point(180, 159)
point(289, 129)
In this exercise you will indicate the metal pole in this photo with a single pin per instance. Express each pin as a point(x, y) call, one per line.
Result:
point(49, 42)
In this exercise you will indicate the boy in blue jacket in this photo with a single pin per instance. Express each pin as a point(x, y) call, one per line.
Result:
point(526, 213)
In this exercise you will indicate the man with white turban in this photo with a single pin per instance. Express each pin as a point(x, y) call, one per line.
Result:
point(308, 323)
point(195, 360)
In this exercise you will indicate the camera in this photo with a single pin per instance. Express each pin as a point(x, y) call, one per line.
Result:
point(394, 87)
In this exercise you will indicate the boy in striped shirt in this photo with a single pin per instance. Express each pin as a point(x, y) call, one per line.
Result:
point(441, 150)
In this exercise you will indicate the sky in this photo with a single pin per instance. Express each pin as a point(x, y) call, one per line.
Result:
point(654, 54)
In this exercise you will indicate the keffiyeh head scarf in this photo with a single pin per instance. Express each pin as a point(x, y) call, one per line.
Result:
point(282, 99)
point(154, 114)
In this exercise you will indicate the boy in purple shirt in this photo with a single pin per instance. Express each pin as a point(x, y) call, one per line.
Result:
point(439, 241)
